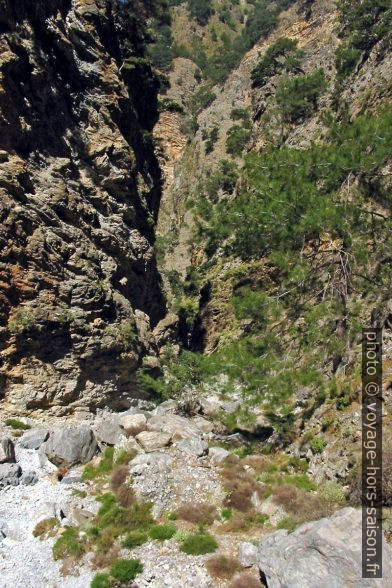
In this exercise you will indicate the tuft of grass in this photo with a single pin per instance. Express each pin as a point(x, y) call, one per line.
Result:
point(100, 581)
point(46, 528)
point(242, 522)
point(16, 424)
point(68, 545)
point(223, 566)
point(226, 513)
point(199, 544)
point(289, 523)
point(124, 457)
point(134, 539)
point(162, 532)
point(104, 467)
point(126, 570)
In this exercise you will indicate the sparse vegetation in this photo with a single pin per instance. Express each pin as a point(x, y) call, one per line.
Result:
point(17, 424)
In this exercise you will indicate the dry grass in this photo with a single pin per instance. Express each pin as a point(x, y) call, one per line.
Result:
point(246, 581)
point(118, 477)
point(242, 522)
point(240, 486)
point(223, 566)
point(302, 505)
point(104, 559)
point(125, 496)
point(201, 514)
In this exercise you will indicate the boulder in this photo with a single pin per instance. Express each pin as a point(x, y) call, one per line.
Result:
point(70, 446)
point(193, 446)
point(7, 450)
point(79, 517)
point(168, 406)
point(203, 424)
point(29, 478)
point(324, 553)
point(158, 462)
point(10, 474)
point(247, 554)
point(34, 439)
point(153, 440)
point(218, 455)
point(107, 430)
point(176, 426)
point(133, 424)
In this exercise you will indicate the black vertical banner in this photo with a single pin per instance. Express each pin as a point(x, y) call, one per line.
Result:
point(372, 453)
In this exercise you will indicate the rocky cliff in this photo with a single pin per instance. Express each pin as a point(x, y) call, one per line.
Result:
point(79, 194)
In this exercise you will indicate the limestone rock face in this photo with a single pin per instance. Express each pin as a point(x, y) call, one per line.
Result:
point(79, 190)
point(324, 553)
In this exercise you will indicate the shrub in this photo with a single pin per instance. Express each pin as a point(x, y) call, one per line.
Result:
point(126, 570)
point(297, 97)
point(46, 528)
point(100, 581)
point(134, 539)
point(68, 545)
point(162, 532)
point(16, 424)
point(202, 514)
point(237, 139)
point(281, 56)
point(22, 321)
point(318, 444)
point(243, 522)
point(199, 544)
point(222, 566)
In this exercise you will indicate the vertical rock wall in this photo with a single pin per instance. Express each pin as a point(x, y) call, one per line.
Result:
point(79, 194)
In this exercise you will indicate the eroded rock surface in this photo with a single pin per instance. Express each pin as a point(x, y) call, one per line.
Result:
point(79, 189)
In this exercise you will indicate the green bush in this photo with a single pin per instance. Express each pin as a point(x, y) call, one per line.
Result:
point(162, 532)
point(297, 97)
point(199, 544)
point(318, 444)
point(16, 424)
point(134, 539)
point(289, 523)
point(100, 581)
point(126, 570)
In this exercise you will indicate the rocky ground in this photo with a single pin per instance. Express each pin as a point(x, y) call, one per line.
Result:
point(175, 461)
